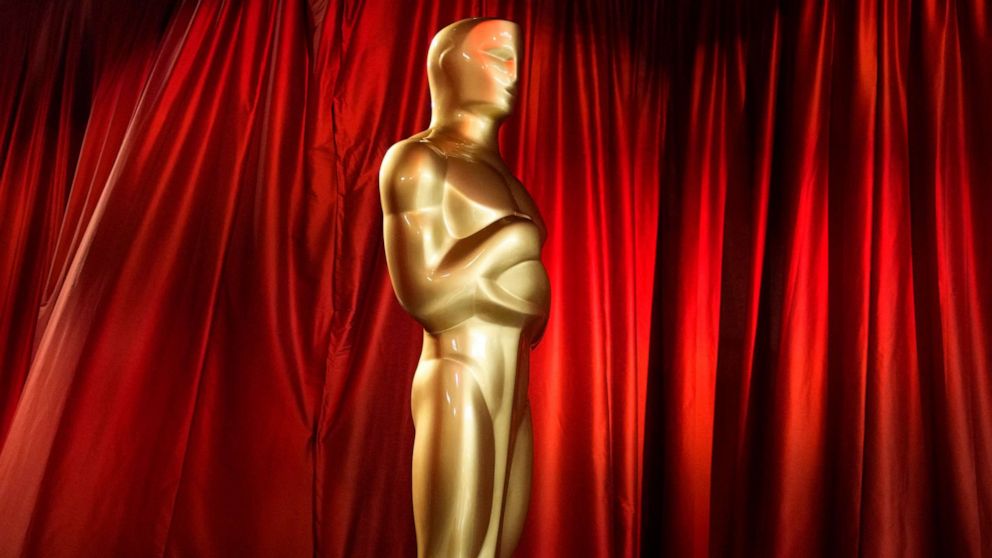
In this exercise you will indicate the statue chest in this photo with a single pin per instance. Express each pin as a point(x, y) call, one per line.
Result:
point(477, 195)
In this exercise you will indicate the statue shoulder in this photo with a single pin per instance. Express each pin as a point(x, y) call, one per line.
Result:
point(411, 176)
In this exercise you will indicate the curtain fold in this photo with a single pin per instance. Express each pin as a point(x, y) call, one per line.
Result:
point(201, 353)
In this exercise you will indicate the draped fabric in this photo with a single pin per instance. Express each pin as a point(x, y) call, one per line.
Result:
point(820, 379)
point(200, 352)
point(201, 355)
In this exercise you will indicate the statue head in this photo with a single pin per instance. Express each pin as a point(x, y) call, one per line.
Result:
point(472, 66)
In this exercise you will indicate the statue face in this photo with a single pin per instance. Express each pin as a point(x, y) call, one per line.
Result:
point(483, 69)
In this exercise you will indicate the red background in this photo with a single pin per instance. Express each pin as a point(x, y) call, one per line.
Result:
point(200, 354)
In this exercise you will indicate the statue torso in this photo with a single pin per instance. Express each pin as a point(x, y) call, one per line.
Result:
point(480, 191)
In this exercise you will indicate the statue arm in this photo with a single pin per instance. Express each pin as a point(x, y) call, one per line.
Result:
point(436, 276)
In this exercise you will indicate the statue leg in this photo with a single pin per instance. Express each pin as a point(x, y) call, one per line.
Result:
point(518, 485)
point(453, 460)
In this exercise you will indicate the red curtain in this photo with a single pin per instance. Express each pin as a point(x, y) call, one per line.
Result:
point(821, 384)
point(201, 353)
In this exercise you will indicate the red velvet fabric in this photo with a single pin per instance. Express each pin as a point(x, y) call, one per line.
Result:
point(822, 384)
point(200, 353)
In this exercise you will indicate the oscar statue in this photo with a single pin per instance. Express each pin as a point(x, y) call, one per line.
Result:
point(463, 244)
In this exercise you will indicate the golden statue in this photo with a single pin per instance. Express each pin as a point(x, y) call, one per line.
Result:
point(463, 243)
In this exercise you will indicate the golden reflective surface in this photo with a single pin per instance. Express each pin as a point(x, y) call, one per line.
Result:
point(463, 243)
